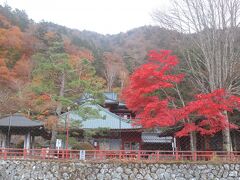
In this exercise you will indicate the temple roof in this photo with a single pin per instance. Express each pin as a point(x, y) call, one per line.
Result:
point(107, 119)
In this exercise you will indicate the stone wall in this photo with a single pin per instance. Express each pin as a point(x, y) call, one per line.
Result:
point(19, 169)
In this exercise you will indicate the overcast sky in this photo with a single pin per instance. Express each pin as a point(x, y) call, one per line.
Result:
point(102, 16)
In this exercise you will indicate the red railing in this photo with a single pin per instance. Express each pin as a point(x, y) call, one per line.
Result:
point(100, 155)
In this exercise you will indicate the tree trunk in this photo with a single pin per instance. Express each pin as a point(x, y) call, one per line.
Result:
point(193, 141)
point(58, 109)
point(227, 143)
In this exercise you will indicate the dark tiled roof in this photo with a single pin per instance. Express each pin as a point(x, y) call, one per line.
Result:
point(18, 121)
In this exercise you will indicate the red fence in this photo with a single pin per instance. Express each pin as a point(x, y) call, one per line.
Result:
point(97, 155)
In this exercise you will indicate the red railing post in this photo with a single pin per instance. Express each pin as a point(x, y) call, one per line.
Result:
point(158, 155)
point(231, 156)
point(139, 155)
point(95, 156)
point(176, 155)
point(63, 154)
point(120, 154)
point(100, 154)
point(44, 153)
point(5, 153)
point(194, 155)
point(24, 153)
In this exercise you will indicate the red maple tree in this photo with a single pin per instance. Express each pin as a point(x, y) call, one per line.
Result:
point(155, 111)
point(139, 95)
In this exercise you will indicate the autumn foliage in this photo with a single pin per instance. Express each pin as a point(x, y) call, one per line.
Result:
point(139, 95)
point(212, 111)
point(143, 96)
point(5, 74)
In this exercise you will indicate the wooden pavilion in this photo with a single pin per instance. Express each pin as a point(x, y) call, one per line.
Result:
point(20, 125)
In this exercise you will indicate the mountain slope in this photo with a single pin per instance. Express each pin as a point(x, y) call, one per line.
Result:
point(129, 49)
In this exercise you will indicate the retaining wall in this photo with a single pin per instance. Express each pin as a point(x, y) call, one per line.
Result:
point(23, 169)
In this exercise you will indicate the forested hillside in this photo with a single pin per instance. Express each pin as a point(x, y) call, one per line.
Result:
point(41, 69)
point(45, 66)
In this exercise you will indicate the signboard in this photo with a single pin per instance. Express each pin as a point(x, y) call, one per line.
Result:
point(58, 143)
point(82, 155)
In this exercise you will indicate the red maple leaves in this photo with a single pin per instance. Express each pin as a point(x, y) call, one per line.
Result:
point(144, 82)
point(211, 108)
point(142, 97)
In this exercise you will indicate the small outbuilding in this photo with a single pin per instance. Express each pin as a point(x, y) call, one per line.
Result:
point(18, 124)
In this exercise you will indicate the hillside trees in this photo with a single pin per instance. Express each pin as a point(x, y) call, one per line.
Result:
point(13, 83)
point(5, 95)
point(114, 68)
point(44, 40)
point(210, 49)
point(15, 16)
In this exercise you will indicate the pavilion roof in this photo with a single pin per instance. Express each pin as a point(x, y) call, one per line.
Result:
point(18, 120)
